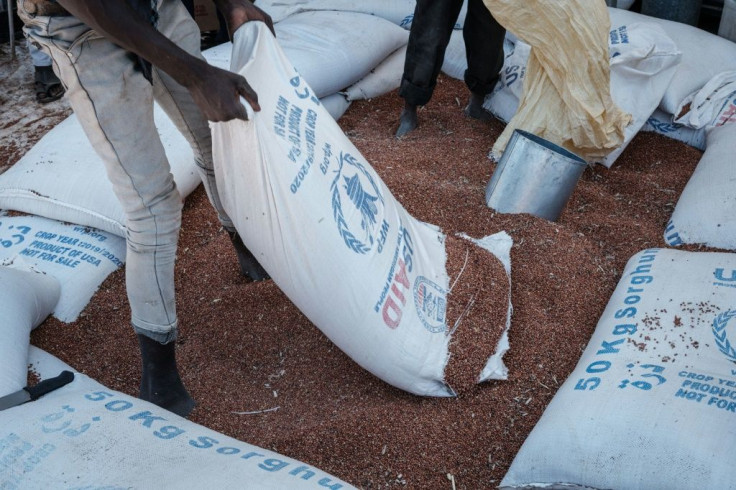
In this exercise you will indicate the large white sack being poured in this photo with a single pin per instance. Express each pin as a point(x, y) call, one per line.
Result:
point(329, 232)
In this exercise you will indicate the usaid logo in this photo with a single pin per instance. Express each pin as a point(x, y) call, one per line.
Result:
point(431, 304)
point(356, 204)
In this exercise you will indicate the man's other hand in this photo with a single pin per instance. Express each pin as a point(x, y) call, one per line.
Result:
point(217, 93)
point(238, 12)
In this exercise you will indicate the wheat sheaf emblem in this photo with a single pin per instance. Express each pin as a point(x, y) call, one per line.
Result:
point(364, 199)
point(721, 335)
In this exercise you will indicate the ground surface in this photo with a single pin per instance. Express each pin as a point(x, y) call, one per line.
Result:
point(244, 347)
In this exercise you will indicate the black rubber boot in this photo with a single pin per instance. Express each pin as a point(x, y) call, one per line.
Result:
point(475, 108)
point(249, 266)
point(48, 87)
point(407, 120)
point(160, 382)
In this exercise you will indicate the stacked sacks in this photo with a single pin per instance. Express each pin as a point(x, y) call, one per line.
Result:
point(704, 55)
point(79, 258)
point(706, 210)
point(331, 235)
point(386, 76)
point(705, 213)
point(343, 55)
point(706, 60)
point(332, 50)
point(63, 178)
point(399, 12)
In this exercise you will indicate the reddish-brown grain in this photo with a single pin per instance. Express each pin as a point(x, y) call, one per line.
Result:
point(244, 347)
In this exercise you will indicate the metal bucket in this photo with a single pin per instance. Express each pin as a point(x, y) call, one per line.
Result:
point(533, 176)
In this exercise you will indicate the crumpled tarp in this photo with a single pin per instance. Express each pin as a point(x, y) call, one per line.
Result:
point(567, 97)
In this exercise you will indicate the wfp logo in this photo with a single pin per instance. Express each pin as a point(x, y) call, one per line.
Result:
point(431, 303)
point(356, 203)
point(720, 332)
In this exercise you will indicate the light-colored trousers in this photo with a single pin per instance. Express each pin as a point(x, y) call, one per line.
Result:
point(114, 104)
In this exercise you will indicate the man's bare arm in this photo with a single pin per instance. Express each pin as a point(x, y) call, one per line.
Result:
point(217, 92)
point(238, 12)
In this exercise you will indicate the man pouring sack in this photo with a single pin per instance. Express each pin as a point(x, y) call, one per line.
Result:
point(115, 57)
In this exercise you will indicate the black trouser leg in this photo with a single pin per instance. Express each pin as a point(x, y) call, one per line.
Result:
point(428, 38)
point(483, 38)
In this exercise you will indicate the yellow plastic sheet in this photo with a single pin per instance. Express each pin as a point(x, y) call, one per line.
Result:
point(566, 97)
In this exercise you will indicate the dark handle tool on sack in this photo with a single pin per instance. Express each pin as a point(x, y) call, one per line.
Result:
point(30, 393)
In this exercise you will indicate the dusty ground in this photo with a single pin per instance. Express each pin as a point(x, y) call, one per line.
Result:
point(22, 120)
point(244, 347)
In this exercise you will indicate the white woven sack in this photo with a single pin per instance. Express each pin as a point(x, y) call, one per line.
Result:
point(503, 102)
point(335, 104)
point(381, 80)
point(333, 50)
point(398, 12)
point(704, 55)
point(27, 297)
point(328, 231)
point(219, 56)
point(84, 435)
point(711, 106)
point(661, 123)
point(78, 257)
point(643, 62)
point(62, 177)
point(706, 210)
point(652, 402)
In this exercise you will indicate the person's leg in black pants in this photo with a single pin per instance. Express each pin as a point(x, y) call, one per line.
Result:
point(483, 38)
point(428, 38)
point(189, 4)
